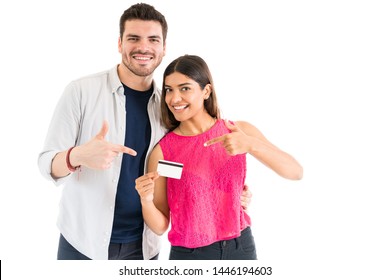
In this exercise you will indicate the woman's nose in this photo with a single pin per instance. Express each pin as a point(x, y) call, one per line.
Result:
point(176, 96)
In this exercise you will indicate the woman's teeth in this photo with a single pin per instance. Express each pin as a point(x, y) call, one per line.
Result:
point(180, 107)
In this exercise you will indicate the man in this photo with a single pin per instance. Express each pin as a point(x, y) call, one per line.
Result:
point(100, 212)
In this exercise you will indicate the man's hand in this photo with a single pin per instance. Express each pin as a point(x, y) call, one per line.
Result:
point(246, 197)
point(98, 153)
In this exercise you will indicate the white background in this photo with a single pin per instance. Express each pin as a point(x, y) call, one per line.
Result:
point(313, 76)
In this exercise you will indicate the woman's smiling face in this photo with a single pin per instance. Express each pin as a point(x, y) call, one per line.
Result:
point(184, 96)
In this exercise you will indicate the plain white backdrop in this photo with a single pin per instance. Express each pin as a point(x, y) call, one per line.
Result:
point(313, 76)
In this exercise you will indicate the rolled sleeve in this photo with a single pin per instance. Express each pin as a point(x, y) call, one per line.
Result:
point(63, 131)
point(44, 163)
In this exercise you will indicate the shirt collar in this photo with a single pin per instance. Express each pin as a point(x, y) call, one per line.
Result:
point(117, 86)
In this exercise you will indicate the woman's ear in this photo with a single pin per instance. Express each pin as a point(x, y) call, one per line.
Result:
point(207, 91)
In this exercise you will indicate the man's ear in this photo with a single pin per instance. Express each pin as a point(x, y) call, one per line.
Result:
point(119, 44)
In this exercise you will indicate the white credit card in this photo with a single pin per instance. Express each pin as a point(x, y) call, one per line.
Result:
point(169, 169)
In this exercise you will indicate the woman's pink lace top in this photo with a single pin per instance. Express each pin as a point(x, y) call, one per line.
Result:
point(205, 203)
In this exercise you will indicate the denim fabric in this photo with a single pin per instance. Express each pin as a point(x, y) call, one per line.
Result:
point(240, 248)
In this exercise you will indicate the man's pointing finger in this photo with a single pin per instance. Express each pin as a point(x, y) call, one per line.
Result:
point(125, 150)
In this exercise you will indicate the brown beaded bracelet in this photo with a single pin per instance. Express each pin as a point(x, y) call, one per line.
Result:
point(70, 167)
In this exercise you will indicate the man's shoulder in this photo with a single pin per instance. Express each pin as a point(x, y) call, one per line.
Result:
point(99, 81)
point(102, 75)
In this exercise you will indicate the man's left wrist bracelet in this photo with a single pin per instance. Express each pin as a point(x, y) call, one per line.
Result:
point(70, 167)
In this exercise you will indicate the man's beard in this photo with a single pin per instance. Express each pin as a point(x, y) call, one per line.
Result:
point(139, 70)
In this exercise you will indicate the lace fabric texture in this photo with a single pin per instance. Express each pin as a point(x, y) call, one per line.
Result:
point(205, 203)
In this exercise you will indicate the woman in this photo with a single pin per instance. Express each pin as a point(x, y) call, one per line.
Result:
point(207, 221)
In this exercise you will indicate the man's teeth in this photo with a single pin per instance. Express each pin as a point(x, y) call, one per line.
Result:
point(142, 58)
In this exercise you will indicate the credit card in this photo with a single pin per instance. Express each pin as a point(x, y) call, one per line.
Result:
point(169, 169)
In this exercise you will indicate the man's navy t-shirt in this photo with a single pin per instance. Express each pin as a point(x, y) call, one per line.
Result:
point(128, 221)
